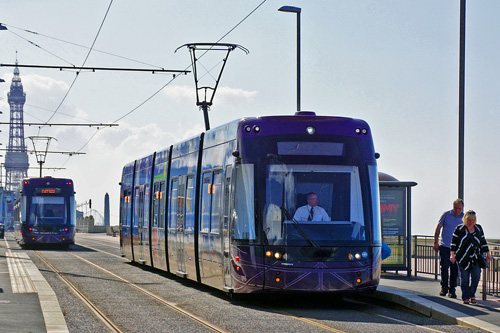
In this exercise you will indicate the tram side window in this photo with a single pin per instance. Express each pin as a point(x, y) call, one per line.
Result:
point(125, 205)
point(128, 207)
point(243, 215)
point(172, 222)
point(72, 210)
point(161, 214)
point(145, 207)
point(137, 195)
point(189, 216)
point(22, 210)
point(123, 201)
point(156, 204)
point(206, 201)
point(216, 202)
point(227, 196)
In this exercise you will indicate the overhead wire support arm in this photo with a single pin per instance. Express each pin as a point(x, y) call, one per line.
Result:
point(65, 124)
point(93, 69)
point(48, 152)
point(193, 47)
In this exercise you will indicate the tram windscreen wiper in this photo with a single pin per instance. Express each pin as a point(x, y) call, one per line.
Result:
point(299, 229)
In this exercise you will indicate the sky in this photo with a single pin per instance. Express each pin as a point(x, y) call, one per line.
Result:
point(393, 63)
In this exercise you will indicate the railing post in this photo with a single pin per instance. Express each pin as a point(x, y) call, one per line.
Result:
point(416, 254)
point(485, 272)
point(436, 265)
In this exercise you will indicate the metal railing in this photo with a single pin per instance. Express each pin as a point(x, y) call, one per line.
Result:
point(426, 261)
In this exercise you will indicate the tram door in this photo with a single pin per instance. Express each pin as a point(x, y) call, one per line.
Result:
point(181, 204)
point(125, 221)
point(140, 211)
point(225, 228)
point(145, 230)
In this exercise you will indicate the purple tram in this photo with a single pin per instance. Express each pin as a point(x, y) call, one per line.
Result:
point(44, 212)
point(222, 208)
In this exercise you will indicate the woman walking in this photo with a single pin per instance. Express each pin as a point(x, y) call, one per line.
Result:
point(467, 247)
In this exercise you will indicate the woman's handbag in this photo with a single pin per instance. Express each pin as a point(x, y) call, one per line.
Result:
point(482, 262)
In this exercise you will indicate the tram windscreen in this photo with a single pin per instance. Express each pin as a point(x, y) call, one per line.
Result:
point(47, 211)
point(333, 192)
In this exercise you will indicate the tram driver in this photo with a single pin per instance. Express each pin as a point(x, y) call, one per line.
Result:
point(311, 211)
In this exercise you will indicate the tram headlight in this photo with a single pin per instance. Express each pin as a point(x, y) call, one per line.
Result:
point(269, 253)
point(256, 129)
point(277, 255)
point(310, 130)
point(357, 256)
point(248, 129)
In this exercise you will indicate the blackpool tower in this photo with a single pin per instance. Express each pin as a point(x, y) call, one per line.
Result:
point(16, 159)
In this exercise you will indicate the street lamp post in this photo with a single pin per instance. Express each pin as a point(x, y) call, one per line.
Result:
point(461, 104)
point(296, 10)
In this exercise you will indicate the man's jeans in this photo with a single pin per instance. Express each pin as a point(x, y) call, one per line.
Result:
point(469, 282)
point(448, 282)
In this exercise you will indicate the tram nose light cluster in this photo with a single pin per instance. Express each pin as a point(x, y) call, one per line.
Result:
point(357, 256)
point(361, 131)
point(255, 128)
point(277, 255)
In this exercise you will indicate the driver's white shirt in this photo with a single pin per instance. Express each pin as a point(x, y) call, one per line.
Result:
point(319, 214)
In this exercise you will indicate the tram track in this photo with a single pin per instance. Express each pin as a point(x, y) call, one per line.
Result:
point(95, 310)
point(319, 321)
point(100, 315)
point(333, 329)
point(297, 317)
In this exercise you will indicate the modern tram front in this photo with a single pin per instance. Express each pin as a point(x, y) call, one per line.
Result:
point(45, 211)
point(306, 210)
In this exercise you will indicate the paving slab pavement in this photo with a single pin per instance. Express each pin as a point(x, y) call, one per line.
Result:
point(421, 294)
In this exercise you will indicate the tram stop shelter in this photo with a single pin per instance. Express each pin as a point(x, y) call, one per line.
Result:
point(395, 211)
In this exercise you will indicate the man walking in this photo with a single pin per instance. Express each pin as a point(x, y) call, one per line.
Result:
point(446, 225)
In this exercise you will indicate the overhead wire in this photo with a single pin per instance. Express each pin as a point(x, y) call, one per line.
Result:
point(224, 36)
point(38, 46)
point(79, 45)
point(86, 58)
point(61, 113)
point(169, 82)
point(76, 76)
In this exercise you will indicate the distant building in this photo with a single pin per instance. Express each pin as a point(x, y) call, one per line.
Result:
point(106, 210)
point(16, 159)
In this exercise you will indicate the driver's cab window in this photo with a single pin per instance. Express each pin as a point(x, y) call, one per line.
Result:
point(325, 199)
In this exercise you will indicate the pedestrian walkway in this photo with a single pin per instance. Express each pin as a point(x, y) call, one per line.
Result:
point(421, 294)
point(27, 302)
